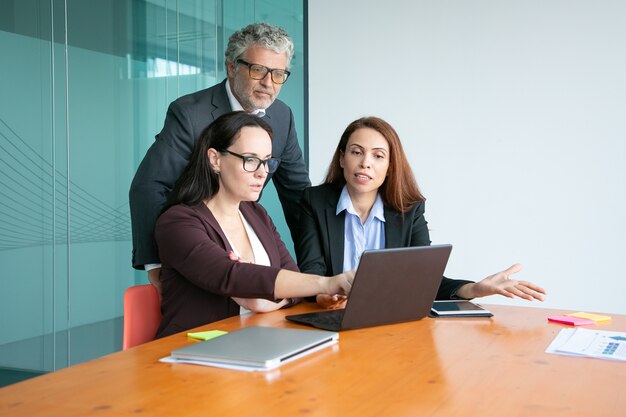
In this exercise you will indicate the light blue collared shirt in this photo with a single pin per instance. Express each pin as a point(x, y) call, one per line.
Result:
point(358, 236)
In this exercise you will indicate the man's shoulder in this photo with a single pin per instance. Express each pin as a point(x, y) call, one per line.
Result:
point(279, 110)
point(279, 105)
point(201, 96)
point(201, 107)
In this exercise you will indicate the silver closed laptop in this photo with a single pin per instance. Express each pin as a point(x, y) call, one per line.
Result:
point(257, 347)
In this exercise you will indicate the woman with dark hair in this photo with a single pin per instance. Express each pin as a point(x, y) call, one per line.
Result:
point(370, 200)
point(219, 249)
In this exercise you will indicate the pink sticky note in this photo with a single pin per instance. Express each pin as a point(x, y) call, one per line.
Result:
point(572, 321)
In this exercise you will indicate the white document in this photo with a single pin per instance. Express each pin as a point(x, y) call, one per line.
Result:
point(590, 343)
point(561, 338)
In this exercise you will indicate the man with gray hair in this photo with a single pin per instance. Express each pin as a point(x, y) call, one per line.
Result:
point(257, 65)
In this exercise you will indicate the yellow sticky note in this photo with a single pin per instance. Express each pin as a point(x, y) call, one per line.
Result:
point(210, 334)
point(598, 318)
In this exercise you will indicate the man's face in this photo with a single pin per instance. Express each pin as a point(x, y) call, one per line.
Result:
point(256, 94)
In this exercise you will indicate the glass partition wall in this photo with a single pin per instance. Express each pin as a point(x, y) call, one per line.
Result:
point(85, 86)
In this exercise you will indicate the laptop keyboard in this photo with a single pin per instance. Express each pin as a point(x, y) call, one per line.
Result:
point(329, 320)
point(332, 318)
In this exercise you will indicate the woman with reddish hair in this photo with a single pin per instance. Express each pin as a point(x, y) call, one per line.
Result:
point(370, 200)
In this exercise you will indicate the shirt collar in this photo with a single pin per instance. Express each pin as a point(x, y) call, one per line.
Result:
point(236, 106)
point(345, 203)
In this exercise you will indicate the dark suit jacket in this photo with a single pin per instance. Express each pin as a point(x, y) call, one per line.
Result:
point(186, 118)
point(197, 276)
point(320, 234)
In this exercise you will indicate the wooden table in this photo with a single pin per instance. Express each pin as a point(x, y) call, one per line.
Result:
point(432, 367)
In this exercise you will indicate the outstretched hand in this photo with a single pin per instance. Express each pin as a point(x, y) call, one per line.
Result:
point(502, 283)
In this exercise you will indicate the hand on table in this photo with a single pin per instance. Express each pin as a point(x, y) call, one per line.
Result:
point(332, 302)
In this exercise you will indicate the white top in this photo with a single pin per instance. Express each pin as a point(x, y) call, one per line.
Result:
point(259, 252)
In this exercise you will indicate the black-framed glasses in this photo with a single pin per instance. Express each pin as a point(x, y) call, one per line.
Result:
point(258, 72)
point(252, 163)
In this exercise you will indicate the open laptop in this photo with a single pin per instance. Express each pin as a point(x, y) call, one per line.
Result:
point(390, 286)
point(255, 348)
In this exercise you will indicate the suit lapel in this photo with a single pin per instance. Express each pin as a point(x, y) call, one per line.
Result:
point(220, 101)
point(267, 239)
point(336, 239)
point(212, 222)
point(393, 228)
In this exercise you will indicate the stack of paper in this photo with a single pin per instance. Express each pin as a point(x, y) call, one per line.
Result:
point(590, 343)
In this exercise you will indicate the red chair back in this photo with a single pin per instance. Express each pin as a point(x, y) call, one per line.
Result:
point(142, 315)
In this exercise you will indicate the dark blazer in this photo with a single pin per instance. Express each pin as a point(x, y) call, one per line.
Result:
point(186, 118)
point(197, 276)
point(320, 235)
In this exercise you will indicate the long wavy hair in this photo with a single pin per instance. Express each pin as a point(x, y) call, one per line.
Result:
point(399, 191)
point(199, 182)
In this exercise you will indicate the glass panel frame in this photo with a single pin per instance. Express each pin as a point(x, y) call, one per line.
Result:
point(79, 111)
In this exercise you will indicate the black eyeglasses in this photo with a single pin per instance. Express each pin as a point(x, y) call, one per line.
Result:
point(258, 72)
point(252, 163)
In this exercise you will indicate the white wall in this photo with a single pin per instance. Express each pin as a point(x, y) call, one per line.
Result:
point(513, 114)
